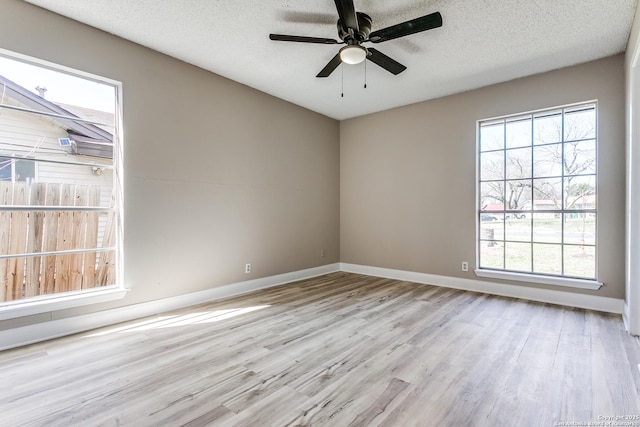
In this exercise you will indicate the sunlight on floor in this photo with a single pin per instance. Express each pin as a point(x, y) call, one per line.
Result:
point(161, 322)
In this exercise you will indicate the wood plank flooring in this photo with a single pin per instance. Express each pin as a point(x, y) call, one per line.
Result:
point(337, 350)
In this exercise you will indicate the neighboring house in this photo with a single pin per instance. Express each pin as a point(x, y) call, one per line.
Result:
point(51, 136)
point(499, 208)
point(587, 201)
point(542, 205)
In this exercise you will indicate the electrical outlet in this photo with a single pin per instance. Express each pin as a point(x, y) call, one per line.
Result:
point(465, 266)
point(322, 253)
point(247, 268)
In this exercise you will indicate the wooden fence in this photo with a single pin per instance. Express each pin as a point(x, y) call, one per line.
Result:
point(33, 231)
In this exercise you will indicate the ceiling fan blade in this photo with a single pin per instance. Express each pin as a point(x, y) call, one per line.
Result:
point(379, 58)
point(417, 25)
point(301, 39)
point(332, 65)
point(347, 14)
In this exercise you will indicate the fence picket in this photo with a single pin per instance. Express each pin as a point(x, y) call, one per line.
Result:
point(34, 242)
point(49, 239)
point(18, 243)
point(92, 222)
point(105, 273)
point(64, 241)
point(5, 237)
point(79, 229)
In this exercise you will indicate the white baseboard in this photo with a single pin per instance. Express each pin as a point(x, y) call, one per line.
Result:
point(591, 302)
point(625, 316)
point(632, 328)
point(30, 334)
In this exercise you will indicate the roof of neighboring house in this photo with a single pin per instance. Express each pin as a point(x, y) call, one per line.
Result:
point(499, 207)
point(101, 119)
point(587, 198)
point(91, 140)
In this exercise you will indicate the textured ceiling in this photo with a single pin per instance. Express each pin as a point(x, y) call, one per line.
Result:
point(481, 42)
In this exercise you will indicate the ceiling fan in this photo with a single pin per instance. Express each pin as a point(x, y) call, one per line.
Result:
point(354, 28)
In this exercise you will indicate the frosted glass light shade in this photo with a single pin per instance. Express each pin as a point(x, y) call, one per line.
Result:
point(352, 54)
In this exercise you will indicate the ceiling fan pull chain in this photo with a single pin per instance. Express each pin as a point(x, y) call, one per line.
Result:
point(342, 89)
point(365, 74)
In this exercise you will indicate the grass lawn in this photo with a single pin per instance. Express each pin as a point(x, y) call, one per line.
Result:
point(534, 245)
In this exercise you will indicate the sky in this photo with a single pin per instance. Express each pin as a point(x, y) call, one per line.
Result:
point(61, 87)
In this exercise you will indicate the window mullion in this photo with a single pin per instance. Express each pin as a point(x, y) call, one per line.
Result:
point(504, 195)
point(564, 207)
point(531, 196)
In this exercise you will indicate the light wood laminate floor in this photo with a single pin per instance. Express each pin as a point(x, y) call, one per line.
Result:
point(337, 350)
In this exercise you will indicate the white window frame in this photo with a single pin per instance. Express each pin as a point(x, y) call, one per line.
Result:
point(544, 279)
point(59, 301)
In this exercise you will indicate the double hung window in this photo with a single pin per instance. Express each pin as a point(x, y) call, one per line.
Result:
point(537, 199)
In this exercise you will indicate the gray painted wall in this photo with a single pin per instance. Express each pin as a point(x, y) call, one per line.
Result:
point(407, 191)
point(216, 174)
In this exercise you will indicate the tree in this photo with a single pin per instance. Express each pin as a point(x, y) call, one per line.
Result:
point(513, 193)
point(558, 167)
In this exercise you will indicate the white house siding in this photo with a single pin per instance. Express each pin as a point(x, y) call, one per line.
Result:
point(34, 136)
point(21, 133)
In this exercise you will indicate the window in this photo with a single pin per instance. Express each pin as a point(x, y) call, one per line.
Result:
point(16, 170)
point(537, 193)
point(60, 192)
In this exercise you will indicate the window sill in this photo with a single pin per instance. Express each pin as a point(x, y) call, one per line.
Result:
point(543, 280)
point(49, 303)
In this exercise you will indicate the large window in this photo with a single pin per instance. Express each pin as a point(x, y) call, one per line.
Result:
point(60, 198)
point(537, 183)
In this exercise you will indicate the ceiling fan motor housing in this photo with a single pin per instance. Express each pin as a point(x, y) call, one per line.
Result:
point(364, 29)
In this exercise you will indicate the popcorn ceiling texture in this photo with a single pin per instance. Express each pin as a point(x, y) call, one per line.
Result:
point(481, 42)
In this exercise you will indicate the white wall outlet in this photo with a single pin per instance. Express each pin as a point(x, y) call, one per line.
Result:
point(322, 253)
point(247, 268)
point(465, 266)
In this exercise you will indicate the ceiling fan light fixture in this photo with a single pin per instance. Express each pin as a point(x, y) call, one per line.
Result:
point(353, 54)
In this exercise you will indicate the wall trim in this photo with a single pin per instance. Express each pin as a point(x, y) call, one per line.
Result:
point(626, 317)
point(591, 302)
point(30, 334)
